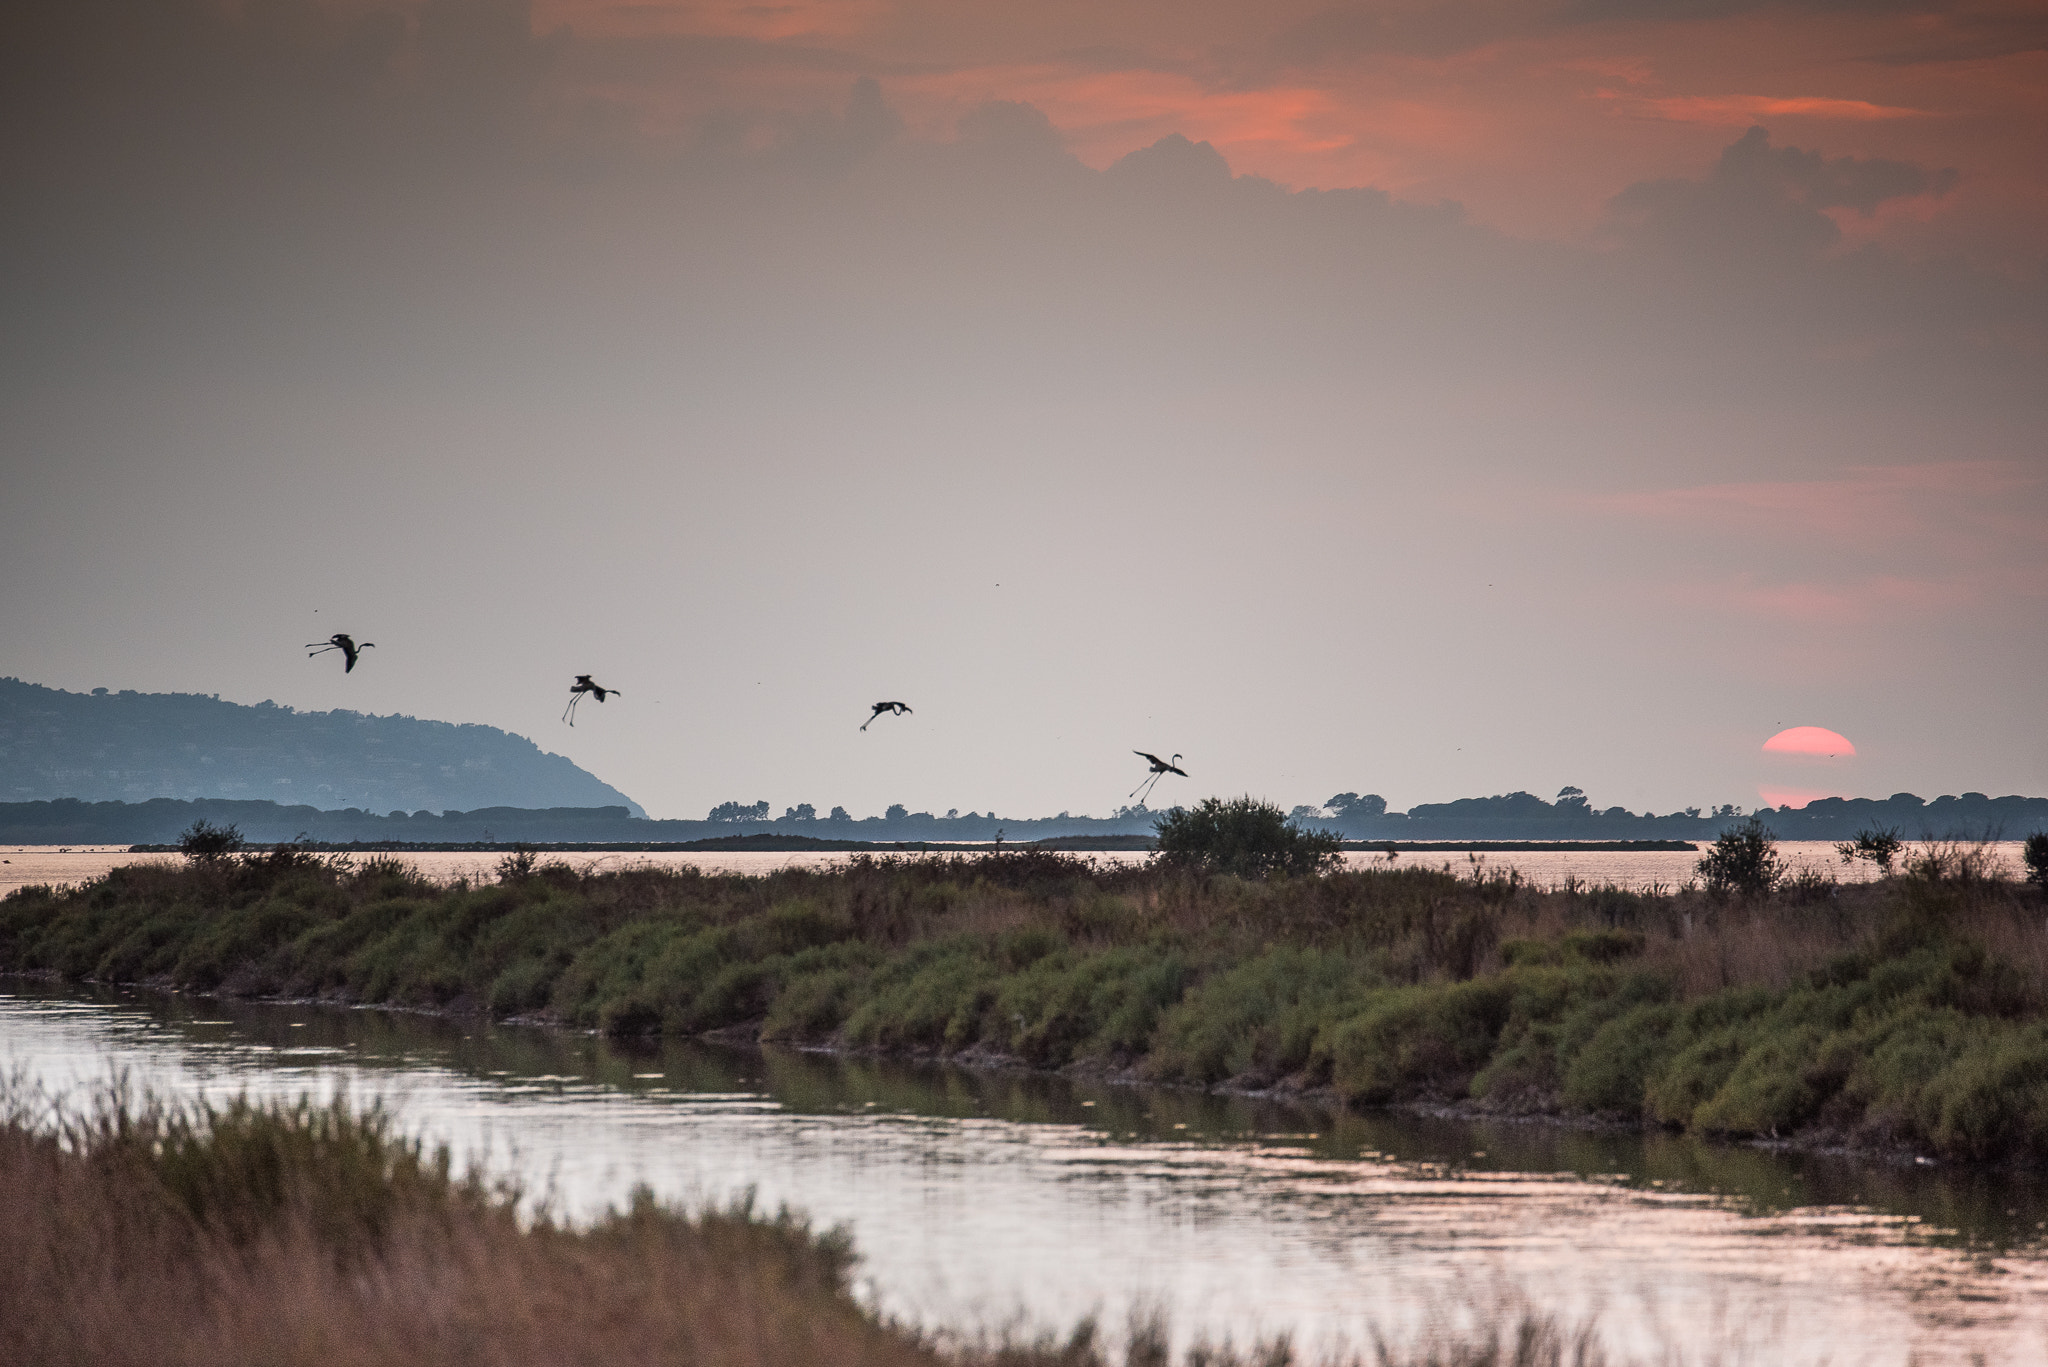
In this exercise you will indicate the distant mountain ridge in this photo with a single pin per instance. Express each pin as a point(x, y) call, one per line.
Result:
point(133, 747)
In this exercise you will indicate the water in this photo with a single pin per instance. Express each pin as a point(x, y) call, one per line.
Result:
point(978, 1199)
point(26, 864)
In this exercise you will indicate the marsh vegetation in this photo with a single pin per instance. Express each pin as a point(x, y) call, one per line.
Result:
point(135, 1230)
point(1911, 1012)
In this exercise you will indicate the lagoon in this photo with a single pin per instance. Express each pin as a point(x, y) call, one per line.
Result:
point(984, 1198)
point(53, 864)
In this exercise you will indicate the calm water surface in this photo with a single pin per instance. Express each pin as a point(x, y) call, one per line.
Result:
point(978, 1199)
point(26, 864)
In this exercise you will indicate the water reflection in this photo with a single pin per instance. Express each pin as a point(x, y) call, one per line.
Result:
point(976, 1197)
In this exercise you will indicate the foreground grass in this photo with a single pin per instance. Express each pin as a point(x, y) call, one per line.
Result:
point(141, 1233)
point(1911, 1012)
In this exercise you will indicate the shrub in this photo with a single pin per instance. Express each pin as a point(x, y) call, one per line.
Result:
point(1244, 836)
point(1879, 847)
point(2035, 855)
point(206, 842)
point(1744, 860)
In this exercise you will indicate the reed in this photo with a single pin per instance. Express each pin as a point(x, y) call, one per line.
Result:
point(140, 1232)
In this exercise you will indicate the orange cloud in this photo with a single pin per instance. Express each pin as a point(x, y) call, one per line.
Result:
point(1533, 123)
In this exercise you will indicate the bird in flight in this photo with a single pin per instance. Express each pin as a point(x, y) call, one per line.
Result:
point(897, 708)
point(1160, 769)
point(584, 685)
point(342, 642)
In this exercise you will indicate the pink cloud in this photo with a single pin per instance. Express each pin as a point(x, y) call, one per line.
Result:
point(1853, 602)
point(1738, 111)
point(1862, 503)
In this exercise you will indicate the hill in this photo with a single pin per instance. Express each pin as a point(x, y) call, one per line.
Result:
point(133, 747)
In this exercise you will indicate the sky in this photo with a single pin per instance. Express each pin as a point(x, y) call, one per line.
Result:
point(1428, 398)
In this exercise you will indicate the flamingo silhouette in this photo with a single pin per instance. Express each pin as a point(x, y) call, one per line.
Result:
point(896, 708)
point(340, 641)
point(1160, 769)
point(584, 685)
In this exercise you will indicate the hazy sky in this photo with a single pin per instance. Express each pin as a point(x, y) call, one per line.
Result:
point(1429, 399)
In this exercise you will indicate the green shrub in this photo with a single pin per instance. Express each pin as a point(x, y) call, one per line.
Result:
point(1877, 846)
point(208, 843)
point(1743, 860)
point(1245, 837)
point(1101, 1005)
point(1417, 1041)
point(1609, 1073)
point(1257, 1021)
point(2034, 854)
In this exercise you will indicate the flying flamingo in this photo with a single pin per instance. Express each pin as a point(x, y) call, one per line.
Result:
point(340, 641)
point(1160, 769)
point(895, 708)
point(578, 689)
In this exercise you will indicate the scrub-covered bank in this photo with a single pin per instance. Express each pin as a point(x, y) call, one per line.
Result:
point(1911, 1012)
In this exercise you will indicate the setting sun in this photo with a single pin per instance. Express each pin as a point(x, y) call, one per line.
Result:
point(1816, 742)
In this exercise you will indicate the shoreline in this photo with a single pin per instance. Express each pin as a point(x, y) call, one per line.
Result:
point(800, 844)
point(985, 1061)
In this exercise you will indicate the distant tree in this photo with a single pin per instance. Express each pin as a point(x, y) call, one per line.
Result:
point(897, 811)
point(1692, 811)
point(1727, 811)
point(740, 811)
point(2034, 854)
point(1743, 860)
point(1352, 806)
point(839, 814)
point(952, 812)
point(1878, 846)
point(803, 811)
point(1245, 837)
point(205, 842)
point(1304, 814)
point(1572, 802)
point(1134, 810)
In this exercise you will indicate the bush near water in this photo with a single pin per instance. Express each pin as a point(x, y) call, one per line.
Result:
point(1912, 1011)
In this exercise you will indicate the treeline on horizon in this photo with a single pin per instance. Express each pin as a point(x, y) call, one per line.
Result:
point(1514, 816)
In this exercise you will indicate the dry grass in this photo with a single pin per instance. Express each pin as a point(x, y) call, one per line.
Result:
point(146, 1234)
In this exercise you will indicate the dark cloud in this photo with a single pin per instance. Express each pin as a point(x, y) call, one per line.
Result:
point(1973, 36)
point(1420, 30)
point(1766, 201)
point(1661, 11)
point(1443, 28)
point(1011, 126)
point(1173, 164)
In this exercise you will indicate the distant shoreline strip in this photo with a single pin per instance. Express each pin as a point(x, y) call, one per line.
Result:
point(797, 844)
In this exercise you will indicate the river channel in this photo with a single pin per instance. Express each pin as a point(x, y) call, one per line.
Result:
point(980, 1199)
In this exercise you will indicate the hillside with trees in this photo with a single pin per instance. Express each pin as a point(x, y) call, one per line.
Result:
point(133, 747)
